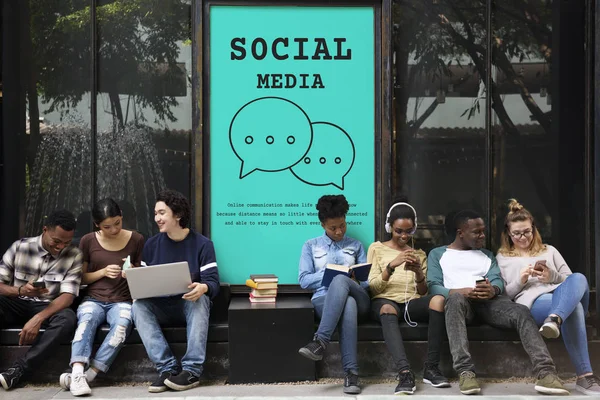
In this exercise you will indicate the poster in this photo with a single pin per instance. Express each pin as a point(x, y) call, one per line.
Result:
point(291, 118)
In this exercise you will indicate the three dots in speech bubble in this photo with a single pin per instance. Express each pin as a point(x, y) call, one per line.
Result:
point(272, 134)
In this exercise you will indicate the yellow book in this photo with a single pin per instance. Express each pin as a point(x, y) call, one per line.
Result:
point(261, 285)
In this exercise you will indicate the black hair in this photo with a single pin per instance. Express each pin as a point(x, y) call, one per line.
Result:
point(402, 211)
point(105, 208)
point(463, 217)
point(178, 203)
point(332, 206)
point(61, 217)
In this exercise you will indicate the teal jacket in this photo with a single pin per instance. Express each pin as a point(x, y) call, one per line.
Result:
point(435, 275)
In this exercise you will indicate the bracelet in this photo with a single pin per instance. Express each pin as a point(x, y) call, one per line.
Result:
point(389, 270)
point(19, 291)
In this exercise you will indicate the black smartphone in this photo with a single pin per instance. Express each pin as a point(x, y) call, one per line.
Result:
point(480, 280)
point(39, 284)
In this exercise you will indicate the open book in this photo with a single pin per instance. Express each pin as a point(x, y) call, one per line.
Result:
point(361, 272)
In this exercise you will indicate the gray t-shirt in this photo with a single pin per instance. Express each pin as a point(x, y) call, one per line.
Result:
point(511, 267)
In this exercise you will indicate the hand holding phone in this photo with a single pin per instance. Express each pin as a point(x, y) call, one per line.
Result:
point(39, 284)
point(540, 265)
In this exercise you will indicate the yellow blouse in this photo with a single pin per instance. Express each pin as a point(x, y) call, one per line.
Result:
point(402, 285)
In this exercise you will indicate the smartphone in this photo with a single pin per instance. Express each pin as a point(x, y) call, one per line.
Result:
point(39, 284)
point(539, 265)
point(479, 279)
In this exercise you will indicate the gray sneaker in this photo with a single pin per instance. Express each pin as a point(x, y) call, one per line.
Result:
point(589, 385)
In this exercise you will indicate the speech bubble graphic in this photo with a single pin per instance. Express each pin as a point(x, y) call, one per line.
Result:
point(270, 134)
point(329, 159)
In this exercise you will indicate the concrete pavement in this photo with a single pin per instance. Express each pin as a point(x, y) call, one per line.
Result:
point(329, 389)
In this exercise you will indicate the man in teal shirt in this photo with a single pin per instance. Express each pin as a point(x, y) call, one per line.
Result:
point(469, 278)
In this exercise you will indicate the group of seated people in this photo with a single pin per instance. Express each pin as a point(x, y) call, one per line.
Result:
point(527, 286)
point(40, 277)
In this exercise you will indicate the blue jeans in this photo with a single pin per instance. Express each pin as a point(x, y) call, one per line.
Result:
point(150, 314)
point(90, 314)
point(343, 305)
point(570, 301)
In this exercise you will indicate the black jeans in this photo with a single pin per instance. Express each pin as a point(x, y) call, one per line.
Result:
point(58, 328)
point(419, 312)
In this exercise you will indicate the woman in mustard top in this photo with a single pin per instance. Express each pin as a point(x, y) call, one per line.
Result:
point(398, 289)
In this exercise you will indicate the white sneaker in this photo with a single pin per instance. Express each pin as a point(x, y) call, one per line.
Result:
point(551, 328)
point(65, 380)
point(79, 385)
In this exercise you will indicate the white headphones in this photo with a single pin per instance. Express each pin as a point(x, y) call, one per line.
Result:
point(388, 227)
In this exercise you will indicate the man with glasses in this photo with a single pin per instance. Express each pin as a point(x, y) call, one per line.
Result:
point(39, 279)
point(467, 275)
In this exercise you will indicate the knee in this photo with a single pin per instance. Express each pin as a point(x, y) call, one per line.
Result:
point(456, 300)
point(521, 311)
point(139, 308)
point(339, 281)
point(387, 309)
point(66, 319)
point(118, 336)
point(437, 303)
point(579, 279)
point(85, 311)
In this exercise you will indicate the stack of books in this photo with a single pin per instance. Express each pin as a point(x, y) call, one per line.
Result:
point(264, 288)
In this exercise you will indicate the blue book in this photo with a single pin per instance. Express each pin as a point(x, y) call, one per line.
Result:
point(361, 272)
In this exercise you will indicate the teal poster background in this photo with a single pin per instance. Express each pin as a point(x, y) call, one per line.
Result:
point(292, 93)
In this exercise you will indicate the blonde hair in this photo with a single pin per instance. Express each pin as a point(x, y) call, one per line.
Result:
point(518, 213)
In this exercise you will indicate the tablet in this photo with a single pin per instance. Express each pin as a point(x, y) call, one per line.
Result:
point(159, 280)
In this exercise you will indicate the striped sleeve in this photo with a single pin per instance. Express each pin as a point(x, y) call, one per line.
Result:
point(209, 273)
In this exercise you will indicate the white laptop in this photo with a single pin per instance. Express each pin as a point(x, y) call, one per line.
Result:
point(159, 280)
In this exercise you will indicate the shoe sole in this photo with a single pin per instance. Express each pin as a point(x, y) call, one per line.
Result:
point(549, 332)
point(311, 356)
point(352, 390)
point(62, 381)
point(177, 387)
point(587, 391)
point(157, 389)
point(471, 391)
point(406, 391)
point(4, 383)
point(546, 390)
point(437, 385)
point(82, 393)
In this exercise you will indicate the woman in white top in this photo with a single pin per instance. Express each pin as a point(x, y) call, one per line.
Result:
point(538, 277)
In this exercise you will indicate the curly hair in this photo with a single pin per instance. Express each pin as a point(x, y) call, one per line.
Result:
point(518, 213)
point(178, 203)
point(61, 217)
point(332, 206)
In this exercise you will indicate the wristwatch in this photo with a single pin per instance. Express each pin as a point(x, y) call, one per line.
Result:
point(389, 269)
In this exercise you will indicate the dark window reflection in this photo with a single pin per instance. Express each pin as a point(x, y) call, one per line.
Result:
point(539, 118)
point(439, 109)
point(144, 105)
point(56, 50)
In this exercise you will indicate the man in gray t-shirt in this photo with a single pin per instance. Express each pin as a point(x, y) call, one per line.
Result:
point(469, 278)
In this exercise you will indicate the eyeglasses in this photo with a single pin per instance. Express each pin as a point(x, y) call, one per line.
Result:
point(407, 231)
point(519, 235)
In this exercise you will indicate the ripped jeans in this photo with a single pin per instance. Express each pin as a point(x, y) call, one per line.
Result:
point(90, 315)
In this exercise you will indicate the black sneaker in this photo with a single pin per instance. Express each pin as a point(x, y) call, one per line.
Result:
point(182, 381)
point(351, 384)
point(158, 385)
point(406, 384)
point(434, 377)
point(11, 377)
point(314, 350)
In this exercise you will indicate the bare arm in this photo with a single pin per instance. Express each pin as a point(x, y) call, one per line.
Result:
point(8, 291)
point(32, 327)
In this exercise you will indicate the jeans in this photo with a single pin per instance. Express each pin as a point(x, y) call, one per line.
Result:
point(570, 302)
point(91, 314)
point(343, 305)
point(58, 328)
point(499, 312)
point(150, 314)
point(418, 311)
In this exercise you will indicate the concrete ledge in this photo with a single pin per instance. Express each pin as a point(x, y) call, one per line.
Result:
point(493, 359)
